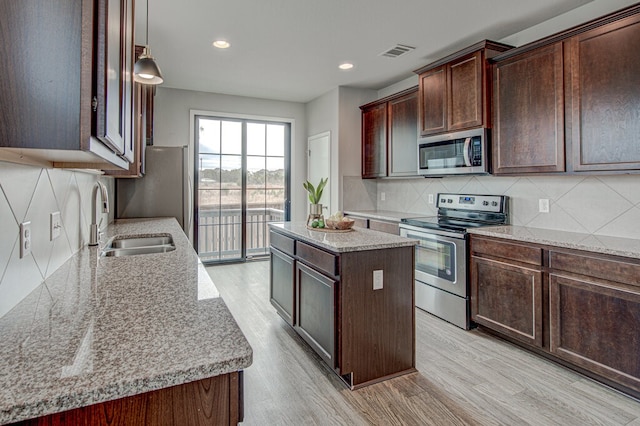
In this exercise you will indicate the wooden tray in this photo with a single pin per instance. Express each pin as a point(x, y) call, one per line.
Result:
point(311, 228)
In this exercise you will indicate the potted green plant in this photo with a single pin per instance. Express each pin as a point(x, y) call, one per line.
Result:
point(315, 194)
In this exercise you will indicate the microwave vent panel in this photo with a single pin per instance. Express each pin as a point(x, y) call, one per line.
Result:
point(397, 50)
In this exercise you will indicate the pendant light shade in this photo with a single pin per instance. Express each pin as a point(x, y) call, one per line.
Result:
point(145, 70)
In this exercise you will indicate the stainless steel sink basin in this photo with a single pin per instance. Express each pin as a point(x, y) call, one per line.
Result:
point(129, 245)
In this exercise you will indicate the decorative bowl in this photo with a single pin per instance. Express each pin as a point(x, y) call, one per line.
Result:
point(342, 225)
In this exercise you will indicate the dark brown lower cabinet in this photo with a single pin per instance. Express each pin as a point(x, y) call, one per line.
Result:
point(316, 307)
point(579, 308)
point(364, 335)
point(595, 324)
point(282, 292)
point(214, 401)
point(508, 298)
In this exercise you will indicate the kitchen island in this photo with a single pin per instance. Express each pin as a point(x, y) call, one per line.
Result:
point(349, 295)
point(139, 339)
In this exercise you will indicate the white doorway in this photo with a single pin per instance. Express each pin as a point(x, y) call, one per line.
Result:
point(319, 165)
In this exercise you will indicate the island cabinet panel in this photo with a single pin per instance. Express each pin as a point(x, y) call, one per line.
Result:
point(605, 90)
point(282, 289)
point(377, 326)
point(528, 134)
point(594, 325)
point(364, 334)
point(508, 298)
point(316, 307)
point(215, 401)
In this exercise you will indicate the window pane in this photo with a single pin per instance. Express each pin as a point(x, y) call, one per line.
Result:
point(207, 205)
point(255, 138)
point(275, 172)
point(231, 137)
point(275, 140)
point(209, 171)
point(231, 172)
point(209, 135)
point(256, 172)
point(255, 199)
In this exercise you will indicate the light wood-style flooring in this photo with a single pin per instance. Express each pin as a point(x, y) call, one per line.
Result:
point(464, 378)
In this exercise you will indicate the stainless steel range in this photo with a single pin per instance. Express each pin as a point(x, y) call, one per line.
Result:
point(442, 286)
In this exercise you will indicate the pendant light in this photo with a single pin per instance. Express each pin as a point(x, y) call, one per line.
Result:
point(145, 70)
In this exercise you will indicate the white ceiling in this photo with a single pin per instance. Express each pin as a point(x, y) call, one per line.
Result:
point(290, 49)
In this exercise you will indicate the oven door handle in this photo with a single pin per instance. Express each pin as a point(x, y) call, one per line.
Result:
point(467, 152)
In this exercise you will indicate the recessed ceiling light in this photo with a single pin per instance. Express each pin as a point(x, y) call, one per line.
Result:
point(345, 66)
point(221, 44)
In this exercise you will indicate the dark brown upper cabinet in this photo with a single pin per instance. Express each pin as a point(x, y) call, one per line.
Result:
point(389, 135)
point(455, 92)
point(528, 124)
point(60, 100)
point(605, 92)
point(570, 102)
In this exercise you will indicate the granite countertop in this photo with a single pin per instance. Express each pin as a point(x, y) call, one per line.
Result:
point(626, 247)
point(102, 328)
point(382, 214)
point(359, 239)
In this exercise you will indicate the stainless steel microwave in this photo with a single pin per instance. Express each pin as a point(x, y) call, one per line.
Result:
point(457, 153)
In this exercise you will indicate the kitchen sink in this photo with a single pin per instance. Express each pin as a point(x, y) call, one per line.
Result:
point(129, 245)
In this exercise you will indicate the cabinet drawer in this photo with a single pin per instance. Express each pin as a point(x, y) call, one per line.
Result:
point(613, 269)
point(282, 243)
point(319, 259)
point(388, 227)
point(512, 251)
point(360, 222)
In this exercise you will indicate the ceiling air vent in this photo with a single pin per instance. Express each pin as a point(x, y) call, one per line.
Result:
point(397, 50)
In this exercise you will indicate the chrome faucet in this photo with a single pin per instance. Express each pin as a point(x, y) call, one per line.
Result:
point(94, 231)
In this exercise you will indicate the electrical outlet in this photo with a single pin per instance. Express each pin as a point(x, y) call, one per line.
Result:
point(55, 226)
point(430, 198)
point(543, 205)
point(382, 196)
point(25, 239)
point(377, 279)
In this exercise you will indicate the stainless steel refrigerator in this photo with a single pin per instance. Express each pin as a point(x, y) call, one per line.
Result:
point(164, 190)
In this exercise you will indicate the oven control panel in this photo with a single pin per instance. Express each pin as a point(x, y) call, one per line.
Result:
point(484, 203)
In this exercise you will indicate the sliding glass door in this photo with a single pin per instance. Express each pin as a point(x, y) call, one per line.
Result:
point(242, 184)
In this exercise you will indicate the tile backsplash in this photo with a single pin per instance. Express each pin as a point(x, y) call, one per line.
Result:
point(29, 193)
point(599, 205)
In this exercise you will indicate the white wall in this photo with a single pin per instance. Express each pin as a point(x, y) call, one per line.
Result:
point(29, 193)
point(172, 127)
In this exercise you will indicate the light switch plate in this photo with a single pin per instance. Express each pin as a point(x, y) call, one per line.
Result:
point(383, 196)
point(55, 226)
point(430, 198)
point(377, 279)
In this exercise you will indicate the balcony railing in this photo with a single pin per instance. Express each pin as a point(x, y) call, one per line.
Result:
point(220, 232)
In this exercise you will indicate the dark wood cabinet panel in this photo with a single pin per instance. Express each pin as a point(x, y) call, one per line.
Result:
point(215, 401)
point(383, 226)
point(626, 271)
point(507, 250)
point(432, 107)
point(507, 298)
point(282, 242)
point(389, 135)
point(528, 134)
point(51, 113)
point(455, 92)
point(606, 97)
point(403, 135)
point(594, 325)
point(374, 141)
point(282, 289)
point(365, 335)
point(465, 93)
point(316, 306)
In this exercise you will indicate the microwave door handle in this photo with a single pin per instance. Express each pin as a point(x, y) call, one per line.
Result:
point(466, 150)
